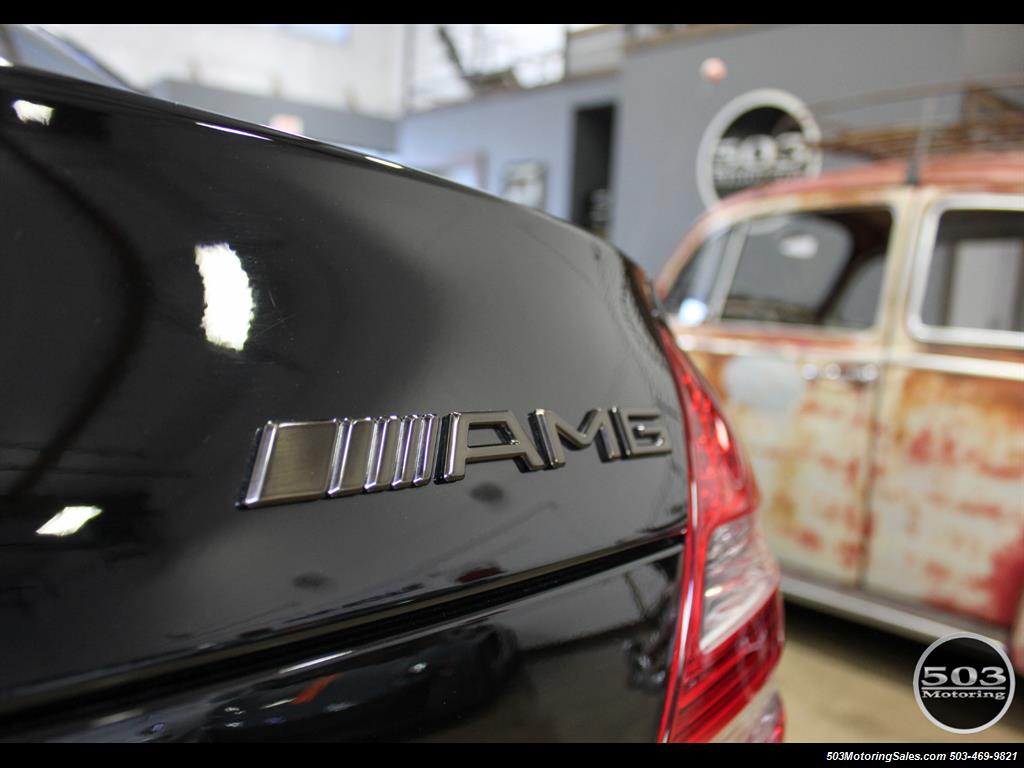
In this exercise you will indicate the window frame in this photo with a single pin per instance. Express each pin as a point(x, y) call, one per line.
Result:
point(921, 263)
point(727, 229)
point(734, 249)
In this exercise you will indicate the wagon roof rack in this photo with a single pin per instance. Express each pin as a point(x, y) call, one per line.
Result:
point(955, 118)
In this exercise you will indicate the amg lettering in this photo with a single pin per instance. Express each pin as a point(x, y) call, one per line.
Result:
point(306, 460)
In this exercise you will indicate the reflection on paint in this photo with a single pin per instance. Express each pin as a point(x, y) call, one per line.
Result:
point(692, 312)
point(68, 521)
point(227, 295)
point(235, 131)
point(388, 163)
point(30, 112)
point(803, 246)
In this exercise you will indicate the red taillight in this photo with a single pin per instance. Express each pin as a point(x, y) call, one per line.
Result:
point(730, 632)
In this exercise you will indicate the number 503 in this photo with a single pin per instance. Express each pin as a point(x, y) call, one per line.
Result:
point(963, 676)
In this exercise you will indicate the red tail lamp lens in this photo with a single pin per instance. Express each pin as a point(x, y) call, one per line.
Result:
point(730, 633)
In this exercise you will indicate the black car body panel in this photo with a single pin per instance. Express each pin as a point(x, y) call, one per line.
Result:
point(583, 661)
point(375, 290)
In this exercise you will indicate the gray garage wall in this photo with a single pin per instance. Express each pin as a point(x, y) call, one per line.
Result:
point(666, 107)
point(332, 125)
point(527, 125)
point(663, 108)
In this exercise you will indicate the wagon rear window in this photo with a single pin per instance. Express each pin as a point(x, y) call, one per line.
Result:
point(976, 274)
point(811, 268)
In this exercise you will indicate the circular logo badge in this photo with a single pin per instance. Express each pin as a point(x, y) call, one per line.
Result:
point(757, 138)
point(964, 683)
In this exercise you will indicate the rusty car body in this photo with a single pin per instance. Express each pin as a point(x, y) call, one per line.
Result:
point(888, 441)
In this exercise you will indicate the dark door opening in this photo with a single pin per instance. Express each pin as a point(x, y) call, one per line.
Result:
point(592, 164)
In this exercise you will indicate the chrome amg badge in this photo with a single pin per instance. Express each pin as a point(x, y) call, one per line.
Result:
point(303, 460)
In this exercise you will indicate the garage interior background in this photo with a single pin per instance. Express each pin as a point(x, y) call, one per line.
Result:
point(605, 125)
point(597, 124)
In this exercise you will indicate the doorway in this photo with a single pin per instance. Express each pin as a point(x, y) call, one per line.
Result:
point(592, 163)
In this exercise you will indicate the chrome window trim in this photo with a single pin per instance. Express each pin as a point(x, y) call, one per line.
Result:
point(787, 330)
point(910, 620)
point(921, 262)
point(718, 227)
point(727, 269)
point(832, 331)
point(781, 349)
point(961, 366)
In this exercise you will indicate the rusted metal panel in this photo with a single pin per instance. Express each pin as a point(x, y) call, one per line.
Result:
point(948, 494)
point(975, 172)
point(947, 500)
point(913, 486)
point(807, 441)
point(1017, 636)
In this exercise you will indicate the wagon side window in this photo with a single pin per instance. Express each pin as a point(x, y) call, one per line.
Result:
point(691, 294)
point(976, 272)
point(817, 268)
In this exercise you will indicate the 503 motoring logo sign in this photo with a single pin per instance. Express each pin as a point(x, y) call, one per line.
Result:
point(757, 138)
point(964, 683)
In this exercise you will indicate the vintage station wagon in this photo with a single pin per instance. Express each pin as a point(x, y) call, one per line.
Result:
point(865, 333)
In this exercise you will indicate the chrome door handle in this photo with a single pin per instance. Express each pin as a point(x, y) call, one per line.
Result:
point(861, 374)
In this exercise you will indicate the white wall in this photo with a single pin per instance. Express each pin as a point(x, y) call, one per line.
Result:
point(534, 51)
point(431, 77)
point(362, 74)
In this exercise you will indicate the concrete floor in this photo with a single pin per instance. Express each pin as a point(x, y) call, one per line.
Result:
point(842, 681)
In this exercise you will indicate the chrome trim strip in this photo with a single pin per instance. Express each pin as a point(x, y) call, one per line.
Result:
point(778, 348)
point(408, 440)
point(963, 366)
point(785, 330)
point(384, 456)
point(557, 591)
point(726, 271)
point(314, 663)
point(427, 441)
point(874, 611)
point(970, 337)
point(260, 464)
point(921, 262)
point(348, 473)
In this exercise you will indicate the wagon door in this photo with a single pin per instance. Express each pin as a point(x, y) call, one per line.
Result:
point(948, 502)
point(790, 337)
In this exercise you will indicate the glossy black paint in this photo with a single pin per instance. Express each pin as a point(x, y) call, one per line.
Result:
point(581, 662)
point(376, 290)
